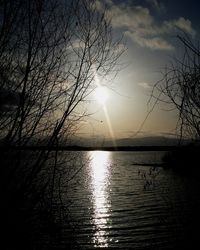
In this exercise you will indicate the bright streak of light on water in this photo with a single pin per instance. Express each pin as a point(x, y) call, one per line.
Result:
point(100, 163)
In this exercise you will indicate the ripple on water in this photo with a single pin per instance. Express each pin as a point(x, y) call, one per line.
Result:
point(111, 209)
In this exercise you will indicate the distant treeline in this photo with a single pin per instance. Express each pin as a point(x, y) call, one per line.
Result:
point(117, 148)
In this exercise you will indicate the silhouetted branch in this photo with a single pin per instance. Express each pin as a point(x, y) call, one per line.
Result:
point(50, 51)
point(180, 88)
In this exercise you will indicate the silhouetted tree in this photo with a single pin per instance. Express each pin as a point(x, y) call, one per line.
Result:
point(50, 51)
point(180, 88)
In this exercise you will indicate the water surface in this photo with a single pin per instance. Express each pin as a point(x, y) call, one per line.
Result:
point(117, 204)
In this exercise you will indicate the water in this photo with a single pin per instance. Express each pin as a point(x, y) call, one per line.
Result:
point(118, 205)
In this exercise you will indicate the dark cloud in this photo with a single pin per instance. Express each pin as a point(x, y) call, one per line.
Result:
point(8, 100)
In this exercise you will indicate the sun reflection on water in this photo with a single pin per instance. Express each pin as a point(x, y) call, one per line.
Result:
point(100, 163)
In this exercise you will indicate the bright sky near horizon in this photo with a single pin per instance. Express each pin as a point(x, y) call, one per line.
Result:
point(150, 29)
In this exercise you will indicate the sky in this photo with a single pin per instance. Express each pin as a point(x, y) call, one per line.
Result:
point(150, 29)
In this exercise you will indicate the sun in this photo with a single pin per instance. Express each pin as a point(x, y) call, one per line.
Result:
point(101, 94)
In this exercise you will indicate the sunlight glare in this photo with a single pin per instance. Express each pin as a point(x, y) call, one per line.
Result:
point(101, 94)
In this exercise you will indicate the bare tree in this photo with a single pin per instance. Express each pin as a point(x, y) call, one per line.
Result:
point(50, 51)
point(180, 88)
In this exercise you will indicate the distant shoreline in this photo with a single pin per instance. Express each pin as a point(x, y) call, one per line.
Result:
point(80, 148)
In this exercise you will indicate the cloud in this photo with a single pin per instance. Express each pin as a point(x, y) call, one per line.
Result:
point(154, 43)
point(130, 17)
point(143, 29)
point(181, 23)
point(144, 85)
point(8, 100)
